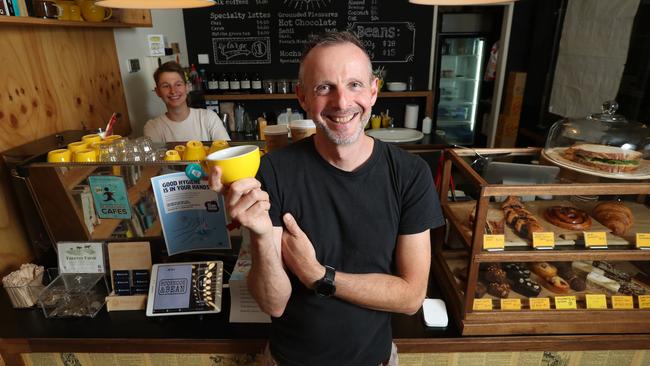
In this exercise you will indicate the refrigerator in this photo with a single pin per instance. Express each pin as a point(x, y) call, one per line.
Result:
point(462, 46)
point(459, 83)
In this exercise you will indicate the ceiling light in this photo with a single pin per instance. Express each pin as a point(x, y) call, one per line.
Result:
point(461, 2)
point(156, 4)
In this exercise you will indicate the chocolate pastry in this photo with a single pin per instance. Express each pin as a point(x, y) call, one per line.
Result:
point(495, 274)
point(526, 287)
point(515, 271)
point(577, 283)
point(499, 289)
point(521, 220)
point(566, 217)
point(480, 290)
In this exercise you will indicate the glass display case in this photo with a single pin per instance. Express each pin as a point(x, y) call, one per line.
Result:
point(603, 144)
point(535, 252)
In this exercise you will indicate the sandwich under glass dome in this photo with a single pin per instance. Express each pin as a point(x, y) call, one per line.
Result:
point(603, 144)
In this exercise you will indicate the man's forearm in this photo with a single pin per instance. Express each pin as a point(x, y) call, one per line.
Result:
point(380, 292)
point(267, 280)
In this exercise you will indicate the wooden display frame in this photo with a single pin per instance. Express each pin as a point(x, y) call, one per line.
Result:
point(127, 256)
point(525, 321)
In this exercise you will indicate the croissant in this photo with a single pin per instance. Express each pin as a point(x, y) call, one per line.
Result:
point(615, 216)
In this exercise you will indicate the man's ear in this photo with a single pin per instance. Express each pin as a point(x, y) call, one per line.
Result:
point(374, 89)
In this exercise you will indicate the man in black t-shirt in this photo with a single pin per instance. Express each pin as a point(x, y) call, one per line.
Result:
point(339, 222)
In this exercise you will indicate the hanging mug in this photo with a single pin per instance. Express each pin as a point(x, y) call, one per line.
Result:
point(94, 13)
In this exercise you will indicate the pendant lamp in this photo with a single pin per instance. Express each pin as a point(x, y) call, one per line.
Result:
point(461, 2)
point(155, 4)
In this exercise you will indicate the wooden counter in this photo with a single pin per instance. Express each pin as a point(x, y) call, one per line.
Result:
point(28, 331)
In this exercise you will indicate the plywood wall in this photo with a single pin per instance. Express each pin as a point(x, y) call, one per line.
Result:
point(53, 79)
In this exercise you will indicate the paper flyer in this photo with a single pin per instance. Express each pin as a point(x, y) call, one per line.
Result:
point(191, 214)
point(110, 196)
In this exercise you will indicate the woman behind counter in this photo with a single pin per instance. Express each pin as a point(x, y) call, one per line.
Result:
point(180, 122)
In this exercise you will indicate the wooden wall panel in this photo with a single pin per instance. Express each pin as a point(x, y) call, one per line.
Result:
point(54, 78)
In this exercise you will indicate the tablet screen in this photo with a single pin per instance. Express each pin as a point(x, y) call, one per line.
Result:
point(180, 288)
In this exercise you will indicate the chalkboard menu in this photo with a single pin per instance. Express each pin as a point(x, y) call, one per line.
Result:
point(267, 36)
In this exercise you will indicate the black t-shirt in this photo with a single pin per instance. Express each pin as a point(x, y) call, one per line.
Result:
point(353, 220)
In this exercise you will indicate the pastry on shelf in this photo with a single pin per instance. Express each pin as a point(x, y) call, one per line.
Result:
point(565, 270)
point(567, 217)
point(522, 221)
point(544, 270)
point(599, 282)
point(480, 290)
point(493, 273)
point(501, 290)
point(492, 227)
point(615, 216)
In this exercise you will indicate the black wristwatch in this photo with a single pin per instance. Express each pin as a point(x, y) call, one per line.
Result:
point(325, 286)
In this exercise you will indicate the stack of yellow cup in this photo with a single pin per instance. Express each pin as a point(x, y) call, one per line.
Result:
point(85, 156)
point(194, 151)
point(59, 156)
point(172, 155)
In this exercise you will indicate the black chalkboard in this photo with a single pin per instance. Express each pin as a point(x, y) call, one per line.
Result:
point(267, 36)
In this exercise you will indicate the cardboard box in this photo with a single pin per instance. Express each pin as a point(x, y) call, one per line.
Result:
point(507, 129)
point(514, 93)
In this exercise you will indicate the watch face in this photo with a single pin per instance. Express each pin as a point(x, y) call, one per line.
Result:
point(324, 288)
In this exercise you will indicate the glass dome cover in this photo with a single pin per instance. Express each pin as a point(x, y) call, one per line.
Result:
point(604, 144)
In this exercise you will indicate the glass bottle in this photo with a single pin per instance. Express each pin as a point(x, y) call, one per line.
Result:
point(234, 82)
point(224, 83)
point(245, 83)
point(213, 83)
point(256, 83)
point(204, 79)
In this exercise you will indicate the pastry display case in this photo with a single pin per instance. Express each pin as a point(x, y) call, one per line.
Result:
point(532, 250)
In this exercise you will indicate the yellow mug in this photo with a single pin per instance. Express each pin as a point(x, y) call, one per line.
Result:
point(194, 151)
point(76, 146)
point(65, 12)
point(85, 156)
point(172, 155)
point(95, 13)
point(181, 151)
point(75, 13)
point(236, 162)
point(218, 145)
point(58, 156)
point(89, 139)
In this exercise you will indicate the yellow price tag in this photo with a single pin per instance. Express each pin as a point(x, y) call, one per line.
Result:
point(595, 239)
point(510, 304)
point(494, 242)
point(543, 240)
point(539, 303)
point(596, 301)
point(622, 302)
point(565, 303)
point(643, 240)
point(482, 305)
point(644, 301)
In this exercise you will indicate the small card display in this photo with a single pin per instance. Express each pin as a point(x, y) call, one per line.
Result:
point(185, 288)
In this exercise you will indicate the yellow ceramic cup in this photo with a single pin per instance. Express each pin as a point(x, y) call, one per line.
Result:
point(85, 156)
point(194, 151)
point(218, 145)
point(76, 146)
point(172, 155)
point(236, 162)
point(89, 139)
point(112, 138)
point(58, 156)
point(181, 150)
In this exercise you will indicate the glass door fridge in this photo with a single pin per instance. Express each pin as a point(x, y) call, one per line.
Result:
point(460, 63)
